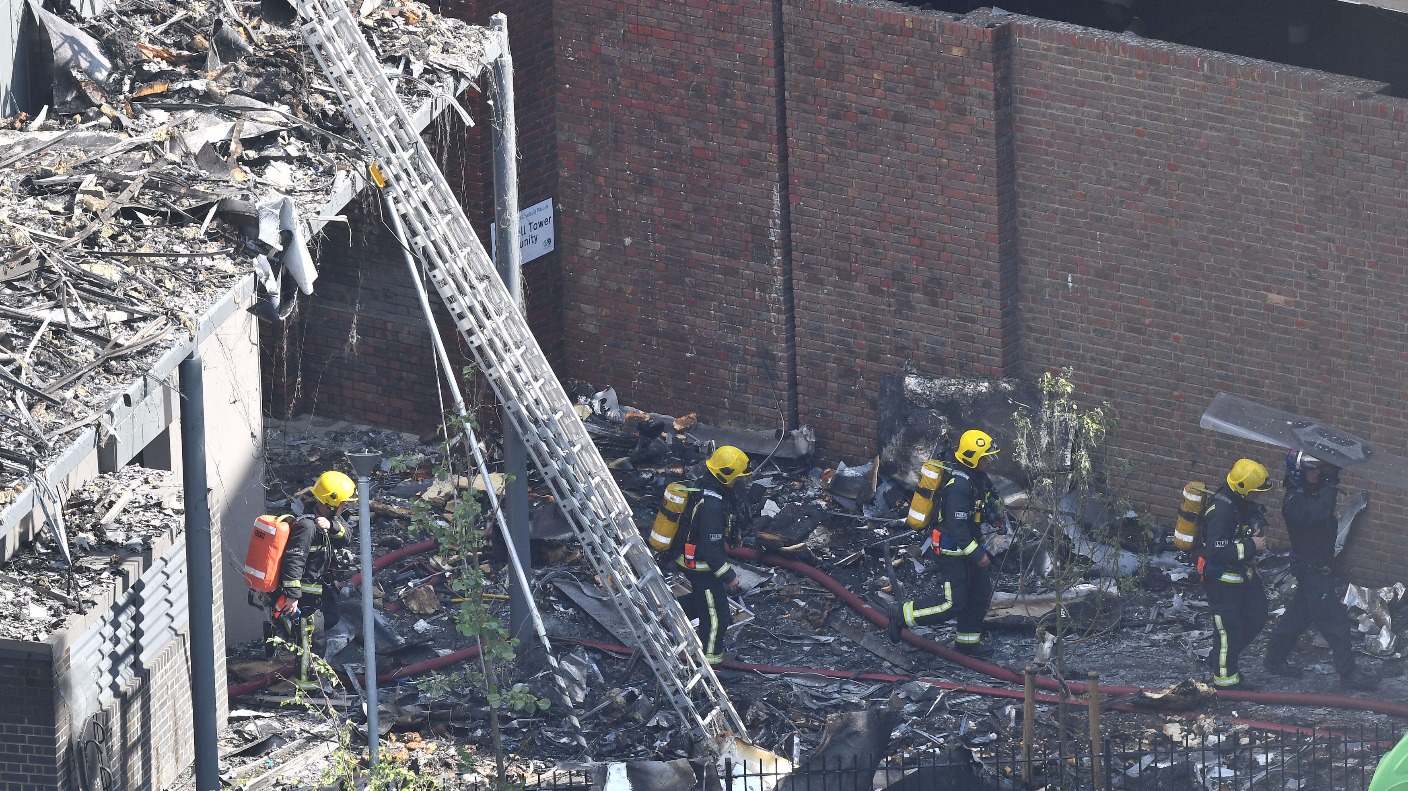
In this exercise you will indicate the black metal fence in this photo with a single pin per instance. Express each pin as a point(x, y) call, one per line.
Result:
point(1179, 759)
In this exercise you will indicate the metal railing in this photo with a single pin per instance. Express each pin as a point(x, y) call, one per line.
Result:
point(1225, 759)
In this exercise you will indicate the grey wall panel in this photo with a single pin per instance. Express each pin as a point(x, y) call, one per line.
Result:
point(118, 648)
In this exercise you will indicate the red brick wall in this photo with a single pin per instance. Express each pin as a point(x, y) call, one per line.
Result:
point(533, 44)
point(674, 278)
point(896, 151)
point(984, 196)
point(1193, 223)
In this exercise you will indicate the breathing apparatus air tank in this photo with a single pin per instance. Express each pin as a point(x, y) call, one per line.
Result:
point(921, 506)
point(266, 551)
point(1185, 530)
point(667, 519)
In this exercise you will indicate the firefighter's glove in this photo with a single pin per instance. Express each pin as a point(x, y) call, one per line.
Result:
point(1330, 476)
point(287, 607)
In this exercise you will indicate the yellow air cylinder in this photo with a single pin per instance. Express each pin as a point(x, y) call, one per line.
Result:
point(1185, 530)
point(921, 506)
point(667, 519)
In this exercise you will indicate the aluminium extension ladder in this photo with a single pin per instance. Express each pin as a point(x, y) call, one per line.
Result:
point(516, 368)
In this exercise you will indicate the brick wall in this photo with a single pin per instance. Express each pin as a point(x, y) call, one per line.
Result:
point(359, 348)
point(674, 275)
point(989, 196)
point(29, 712)
point(1194, 223)
point(359, 345)
point(149, 744)
point(106, 667)
point(898, 220)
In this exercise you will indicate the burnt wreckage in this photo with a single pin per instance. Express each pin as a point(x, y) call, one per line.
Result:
point(185, 150)
point(174, 159)
point(168, 178)
point(821, 685)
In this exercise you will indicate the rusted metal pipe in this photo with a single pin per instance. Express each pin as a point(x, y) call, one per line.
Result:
point(1028, 722)
point(1092, 693)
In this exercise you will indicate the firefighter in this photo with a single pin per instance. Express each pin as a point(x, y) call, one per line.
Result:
point(1308, 507)
point(1230, 537)
point(309, 561)
point(966, 499)
point(714, 519)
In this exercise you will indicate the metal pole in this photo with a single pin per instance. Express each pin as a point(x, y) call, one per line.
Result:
point(200, 579)
point(363, 463)
point(509, 262)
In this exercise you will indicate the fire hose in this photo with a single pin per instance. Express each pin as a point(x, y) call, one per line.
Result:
point(874, 616)
point(997, 671)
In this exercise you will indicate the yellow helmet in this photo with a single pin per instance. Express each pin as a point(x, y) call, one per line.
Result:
point(972, 446)
point(1248, 476)
point(334, 488)
point(727, 463)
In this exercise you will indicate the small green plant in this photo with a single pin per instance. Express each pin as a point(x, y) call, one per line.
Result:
point(520, 698)
point(438, 685)
point(461, 534)
point(1060, 448)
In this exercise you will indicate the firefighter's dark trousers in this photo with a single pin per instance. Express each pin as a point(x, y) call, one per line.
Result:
point(1317, 602)
point(708, 601)
point(1238, 612)
point(964, 594)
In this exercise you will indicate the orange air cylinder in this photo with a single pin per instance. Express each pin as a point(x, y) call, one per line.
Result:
point(266, 551)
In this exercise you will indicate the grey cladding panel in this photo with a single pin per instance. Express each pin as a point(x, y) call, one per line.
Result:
point(118, 648)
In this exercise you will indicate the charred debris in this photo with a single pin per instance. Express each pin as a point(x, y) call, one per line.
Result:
point(1132, 608)
point(179, 148)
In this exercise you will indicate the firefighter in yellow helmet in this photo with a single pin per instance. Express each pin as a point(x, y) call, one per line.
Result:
point(966, 500)
point(714, 519)
point(306, 583)
point(1230, 536)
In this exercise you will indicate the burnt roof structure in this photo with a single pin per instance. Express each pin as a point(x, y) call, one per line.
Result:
point(187, 158)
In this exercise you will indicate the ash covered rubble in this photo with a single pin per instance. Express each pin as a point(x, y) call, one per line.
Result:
point(111, 519)
point(182, 146)
point(1145, 627)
